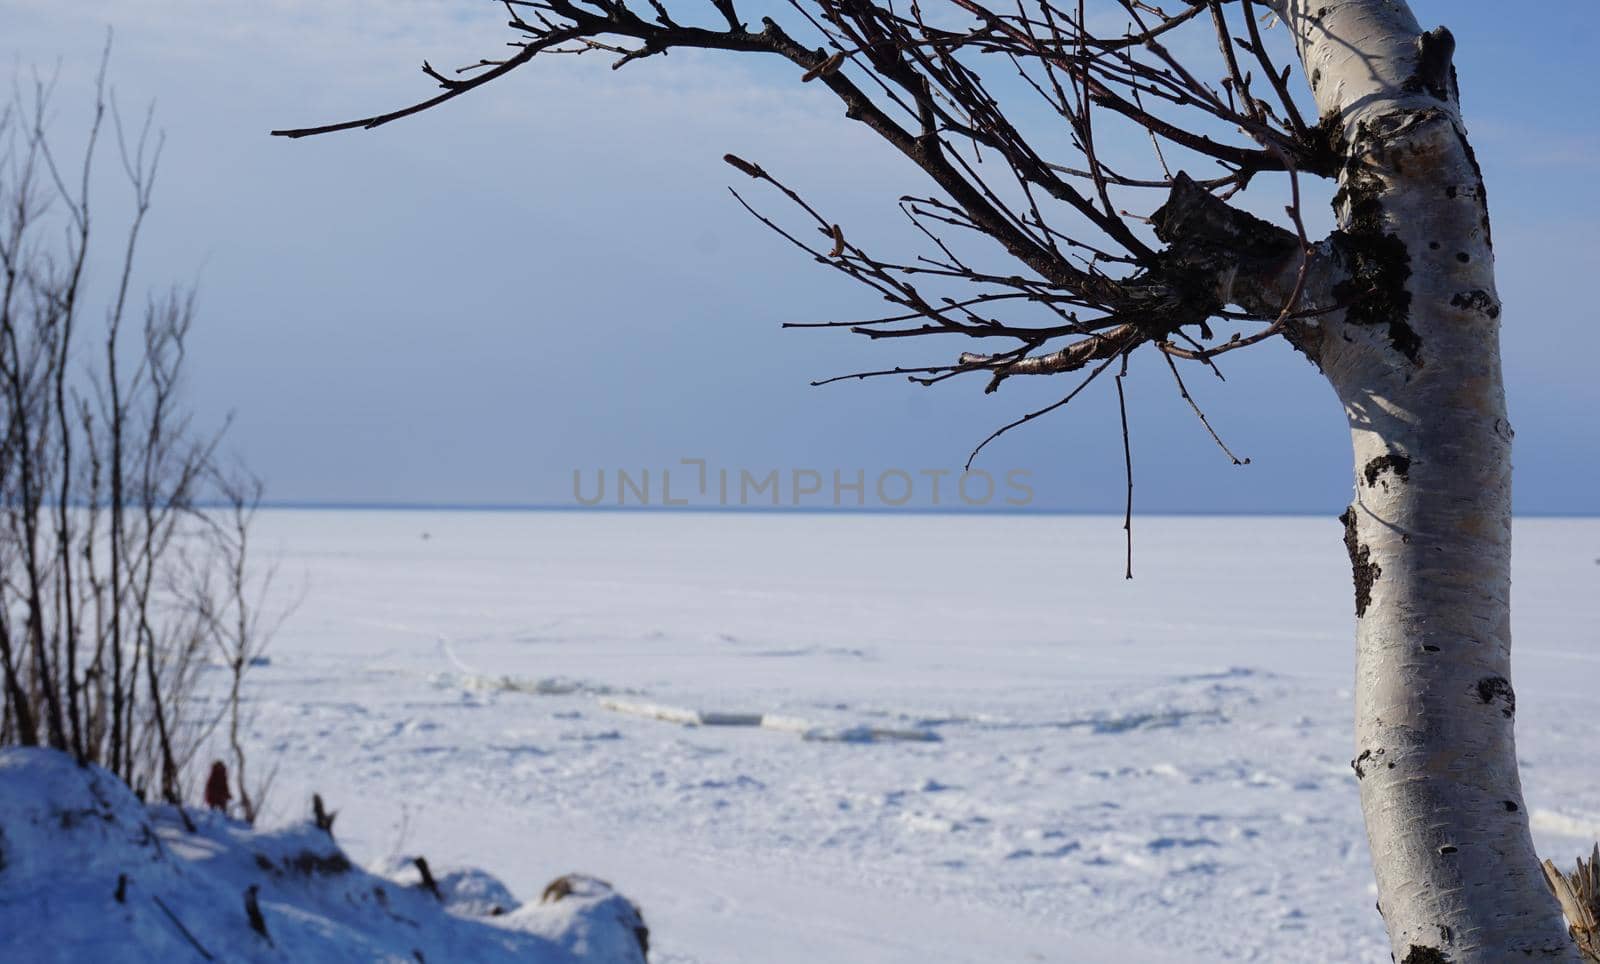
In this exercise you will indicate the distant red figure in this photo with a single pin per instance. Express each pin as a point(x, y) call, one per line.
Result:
point(217, 795)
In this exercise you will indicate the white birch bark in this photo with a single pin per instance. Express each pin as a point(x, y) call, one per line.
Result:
point(1417, 367)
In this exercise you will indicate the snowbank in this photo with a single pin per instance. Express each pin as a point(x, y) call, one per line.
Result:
point(88, 873)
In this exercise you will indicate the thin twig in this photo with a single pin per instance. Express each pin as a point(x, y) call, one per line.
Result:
point(1127, 464)
point(1184, 391)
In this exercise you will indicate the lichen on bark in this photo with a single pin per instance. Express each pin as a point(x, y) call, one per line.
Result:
point(1364, 570)
point(1375, 292)
point(1397, 463)
point(1498, 688)
point(1420, 954)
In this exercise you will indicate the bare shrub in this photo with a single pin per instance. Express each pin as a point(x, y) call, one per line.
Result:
point(116, 582)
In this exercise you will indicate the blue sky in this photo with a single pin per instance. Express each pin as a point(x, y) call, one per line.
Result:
point(549, 275)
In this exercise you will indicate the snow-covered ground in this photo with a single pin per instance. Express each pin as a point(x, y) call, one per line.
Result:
point(89, 874)
point(978, 742)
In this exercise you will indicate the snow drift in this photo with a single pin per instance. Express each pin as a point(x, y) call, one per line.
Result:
point(88, 873)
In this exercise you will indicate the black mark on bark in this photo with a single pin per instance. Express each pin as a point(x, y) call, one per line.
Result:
point(1510, 805)
point(1492, 688)
point(1366, 759)
point(1379, 266)
point(1355, 764)
point(1418, 954)
point(1482, 192)
point(1363, 569)
point(1476, 300)
point(1395, 462)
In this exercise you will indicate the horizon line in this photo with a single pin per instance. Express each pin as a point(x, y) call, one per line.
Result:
point(315, 505)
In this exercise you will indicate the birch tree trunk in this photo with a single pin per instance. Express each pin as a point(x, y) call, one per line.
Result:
point(1415, 361)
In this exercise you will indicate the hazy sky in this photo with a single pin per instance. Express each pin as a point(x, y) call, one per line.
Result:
point(550, 275)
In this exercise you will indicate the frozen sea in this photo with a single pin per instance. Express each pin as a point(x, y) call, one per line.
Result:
point(977, 741)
